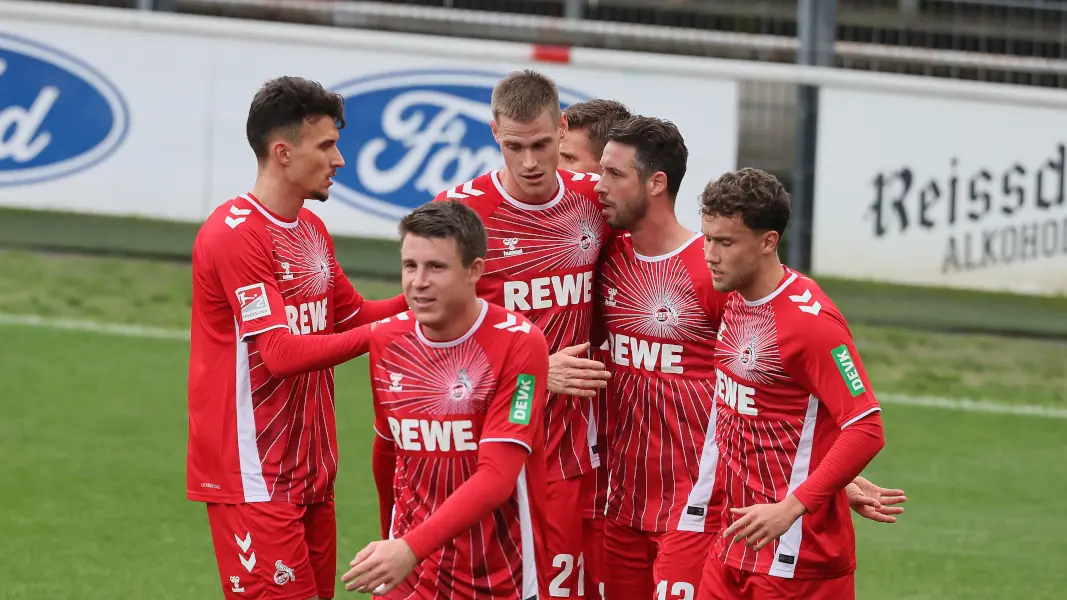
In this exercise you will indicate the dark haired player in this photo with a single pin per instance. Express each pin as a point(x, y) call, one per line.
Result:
point(269, 307)
point(796, 420)
point(459, 397)
point(580, 149)
point(661, 313)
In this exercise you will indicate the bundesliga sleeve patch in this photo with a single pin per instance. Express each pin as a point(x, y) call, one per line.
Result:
point(253, 300)
point(520, 400)
point(848, 370)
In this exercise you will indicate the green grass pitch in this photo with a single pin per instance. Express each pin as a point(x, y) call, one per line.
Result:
point(93, 440)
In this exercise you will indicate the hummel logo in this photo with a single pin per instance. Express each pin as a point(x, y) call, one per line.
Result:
point(241, 213)
point(468, 190)
point(245, 543)
point(512, 324)
point(511, 243)
point(803, 300)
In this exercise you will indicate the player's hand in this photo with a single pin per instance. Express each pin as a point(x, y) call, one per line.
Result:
point(761, 524)
point(574, 376)
point(875, 503)
point(380, 567)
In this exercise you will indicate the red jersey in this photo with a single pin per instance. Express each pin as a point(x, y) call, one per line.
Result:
point(440, 401)
point(788, 380)
point(541, 263)
point(595, 496)
point(254, 437)
point(661, 314)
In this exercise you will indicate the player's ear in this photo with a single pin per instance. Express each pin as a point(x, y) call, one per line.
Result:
point(492, 127)
point(477, 269)
point(657, 184)
point(771, 239)
point(563, 126)
point(282, 152)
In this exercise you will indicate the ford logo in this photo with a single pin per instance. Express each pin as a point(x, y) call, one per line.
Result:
point(412, 134)
point(58, 115)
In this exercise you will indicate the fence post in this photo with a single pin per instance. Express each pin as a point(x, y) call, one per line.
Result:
point(817, 32)
point(573, 9)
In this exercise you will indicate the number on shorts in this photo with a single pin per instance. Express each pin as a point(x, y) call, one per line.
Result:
point(681, 590)
point(556, 589)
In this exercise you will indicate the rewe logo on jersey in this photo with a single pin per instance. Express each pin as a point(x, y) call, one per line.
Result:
point(412, 134)
point(737, 396)
point(545, 292)
point(58, 115)
point(630, 351)
point(426, 435)
point(308, 317)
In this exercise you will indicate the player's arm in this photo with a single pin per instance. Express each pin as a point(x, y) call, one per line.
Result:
point(830, 368)
point(826, 363)
point(351, 310)
point(515, 415)
point(244, 264)
point(383, 465)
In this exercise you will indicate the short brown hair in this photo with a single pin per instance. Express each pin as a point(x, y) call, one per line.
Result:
point(596, 118)
point(524, 95)
point(449, 220)
point(658, 146)
point(282, 105)
point(756, 196)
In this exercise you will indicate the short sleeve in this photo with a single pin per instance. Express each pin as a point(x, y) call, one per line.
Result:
point(245, 268)
point(381, 423)
point(824, 360)
point(516, 412)
point(347, 301)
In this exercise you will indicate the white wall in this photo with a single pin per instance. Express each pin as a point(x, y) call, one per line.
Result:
point(158, 103)
point(943, 192)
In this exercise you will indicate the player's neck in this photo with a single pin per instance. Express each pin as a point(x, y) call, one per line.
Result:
point(766, 281)
point(513, 189)
point(277, 197)
point(659, 232)
point(455, 327)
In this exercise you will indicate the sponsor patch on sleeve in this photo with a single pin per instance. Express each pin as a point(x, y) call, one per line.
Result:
point(253, 301)
point(848, 370)
point(522, 399)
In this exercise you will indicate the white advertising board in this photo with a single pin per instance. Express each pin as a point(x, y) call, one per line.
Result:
point(930, 191)
point(146, 117)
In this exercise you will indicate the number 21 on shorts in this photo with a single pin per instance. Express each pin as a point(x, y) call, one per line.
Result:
point(559, 587)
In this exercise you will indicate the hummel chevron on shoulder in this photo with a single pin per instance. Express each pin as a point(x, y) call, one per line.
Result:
point(512, 324)
point(803, 300)
point(468, 190)
point(241, 214)
point(576, 176)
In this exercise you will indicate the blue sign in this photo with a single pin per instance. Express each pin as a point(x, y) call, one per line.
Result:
point(412, 134)
point(58, 115)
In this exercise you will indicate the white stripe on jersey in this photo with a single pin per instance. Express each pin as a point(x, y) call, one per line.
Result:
point(789, 543)
point(700, 494)
point(529, 560)
point(255, 487)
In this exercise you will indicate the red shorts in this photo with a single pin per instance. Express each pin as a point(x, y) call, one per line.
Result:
point(642, 565)
point(275, 550)
point(563, 538)
point(722, 582)
point(593, 555)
